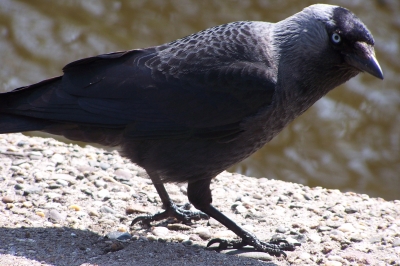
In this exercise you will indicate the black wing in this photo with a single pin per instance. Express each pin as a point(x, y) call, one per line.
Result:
point(148, 97)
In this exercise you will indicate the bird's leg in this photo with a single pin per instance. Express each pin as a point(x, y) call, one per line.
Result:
point(199, 194)
point(171, 210)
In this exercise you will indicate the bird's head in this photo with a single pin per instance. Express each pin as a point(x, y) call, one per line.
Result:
point(349, 37)
point(332, 38)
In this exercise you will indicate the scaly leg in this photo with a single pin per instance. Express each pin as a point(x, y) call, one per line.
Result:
point(199, 194)
point(171, 210)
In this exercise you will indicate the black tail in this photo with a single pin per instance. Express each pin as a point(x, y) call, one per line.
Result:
point(15, 114)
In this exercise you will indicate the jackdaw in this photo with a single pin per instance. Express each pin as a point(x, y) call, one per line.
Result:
point(189, 109)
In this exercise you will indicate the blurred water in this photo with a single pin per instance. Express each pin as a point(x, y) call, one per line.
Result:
point(349, 140)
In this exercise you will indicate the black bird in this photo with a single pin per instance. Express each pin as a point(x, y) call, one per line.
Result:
point(188, 109)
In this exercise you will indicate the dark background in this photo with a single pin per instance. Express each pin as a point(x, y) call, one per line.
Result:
point(349, 140)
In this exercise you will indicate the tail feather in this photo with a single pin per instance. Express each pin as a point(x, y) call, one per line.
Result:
point(16, 123)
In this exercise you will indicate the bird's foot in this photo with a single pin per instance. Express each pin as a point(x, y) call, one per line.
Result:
point(172, 210)
point(275, 247)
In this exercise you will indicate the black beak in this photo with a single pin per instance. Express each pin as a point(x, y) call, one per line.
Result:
point(363, 58)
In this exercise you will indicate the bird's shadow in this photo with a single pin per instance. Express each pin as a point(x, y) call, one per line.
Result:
point(66, 246)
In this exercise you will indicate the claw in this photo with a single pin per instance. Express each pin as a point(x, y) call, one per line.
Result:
point(172, 211)
point(275, 247)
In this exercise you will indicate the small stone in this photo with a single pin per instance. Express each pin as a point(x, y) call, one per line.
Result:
point(100, 183)
point(68, 178)
point(124, 236)
point(375, 239)
point(347, 227)
point(335, 258)
point(257, 196)
point(119, 235)
point(107, 209)
point(324, 228)
point(94, 163)
point(104, 166)
point(151, 237)
point(35, 155)
point(224, 234)
point(55, 216)
point(32, 190)
point(93, 212)
point(180, 237)
point(54, 186)
point(134, 208)
point(305, 256)
point(122, 174)
point(57, 158)
point(160, 231)
point(19, 180)
point(396, 242)
point(350, 210)
point(19, 187)
point(263, 256)
point(328, 247)
point(19, 211)
point(332, 263)
point(47, 153)
point(314, 238)
point(356, 238)
point(7, 199)
point(104, 193)
point(62, 182)
point(177, 227)
point(203, 232)
point(187, 242)
point(240, 209)
point(19, 162)
point(74, 207)
point(40, 213)
point(281, 230)
point(27, 204)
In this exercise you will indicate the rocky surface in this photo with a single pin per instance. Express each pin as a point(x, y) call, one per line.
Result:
point(61, 204)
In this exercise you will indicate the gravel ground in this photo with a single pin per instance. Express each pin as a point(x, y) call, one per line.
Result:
point(61, 204)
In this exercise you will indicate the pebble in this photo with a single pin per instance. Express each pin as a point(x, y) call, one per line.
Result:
point(305, 256)
point(100, 183)
point(122, 174)
point(333, 263)
point(107, 209)
point(281, 230)
point(119, 235)
point(104, 166)
point(32, 190)
point(55, 216)
point(347, 227)
point(350, 210)
point(27, 204)
point(314, 238)
point(177, 227)
point(104, 193)
point(7, 199)
point(203, 233)
point(135, 208)
point(160, 231)
point(74, 207)
point(57, 158)
point(93, 212)
point(35, 155)
point(62, 182)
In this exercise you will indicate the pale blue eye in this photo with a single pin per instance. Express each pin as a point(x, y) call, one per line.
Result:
point(336, 38)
